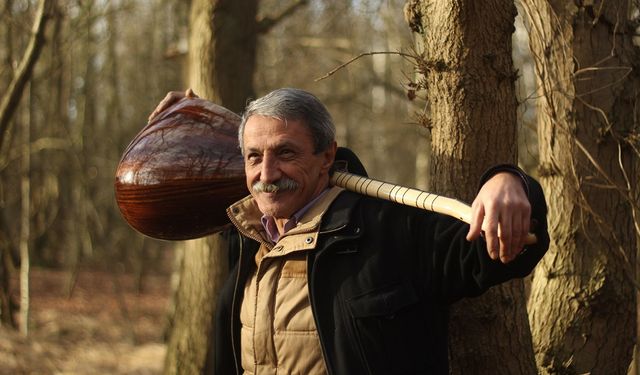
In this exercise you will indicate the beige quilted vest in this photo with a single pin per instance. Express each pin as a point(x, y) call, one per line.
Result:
point(278, 333)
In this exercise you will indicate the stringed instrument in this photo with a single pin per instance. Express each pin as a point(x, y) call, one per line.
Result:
point(180, 173)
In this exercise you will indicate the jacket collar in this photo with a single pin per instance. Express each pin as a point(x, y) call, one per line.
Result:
point(245, 215)
point(341, 211)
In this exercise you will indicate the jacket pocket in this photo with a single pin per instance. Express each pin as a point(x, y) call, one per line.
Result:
point(390, 329)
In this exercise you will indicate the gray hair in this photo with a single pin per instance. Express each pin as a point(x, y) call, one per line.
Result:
point(296, 105)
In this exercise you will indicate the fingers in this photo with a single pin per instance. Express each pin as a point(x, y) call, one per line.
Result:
point(190, 94)
point(485, 220)
point(477, 215)
point(516, 237)
point(491, 233)
point(164, 104)
point(512, 230)
point(170, 99)
point(504, 237)
point(525, 219)
point(502, 211)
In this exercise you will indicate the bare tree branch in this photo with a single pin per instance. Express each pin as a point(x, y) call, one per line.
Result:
point(362, 55)
point(11, 99)
point(267, 23)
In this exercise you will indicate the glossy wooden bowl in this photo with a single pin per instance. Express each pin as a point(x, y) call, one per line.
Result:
point(181, 171)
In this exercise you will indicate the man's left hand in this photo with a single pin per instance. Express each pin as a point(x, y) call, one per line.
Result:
point(502, 211)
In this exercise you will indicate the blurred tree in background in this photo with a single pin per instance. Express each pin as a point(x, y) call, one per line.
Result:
point(88, 96)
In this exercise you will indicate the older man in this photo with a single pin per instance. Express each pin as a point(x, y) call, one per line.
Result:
point(328, 281)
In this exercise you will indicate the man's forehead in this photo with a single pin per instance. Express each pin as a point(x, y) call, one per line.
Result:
point(262, 119)
point(275, 132)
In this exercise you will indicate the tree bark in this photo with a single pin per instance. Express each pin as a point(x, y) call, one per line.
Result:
point(222, 51)
point(7, 265)
point(222, 45)
point(203, 271)
point(583, 303)
point(6, 247)
point(469, 79)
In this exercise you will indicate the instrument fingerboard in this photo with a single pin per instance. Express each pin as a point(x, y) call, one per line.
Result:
point(384, 190)
point(408, 197)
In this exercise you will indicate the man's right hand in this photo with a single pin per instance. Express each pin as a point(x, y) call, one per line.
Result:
point(170, 99)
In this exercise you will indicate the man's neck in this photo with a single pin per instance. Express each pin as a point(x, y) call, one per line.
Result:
point(281, 223)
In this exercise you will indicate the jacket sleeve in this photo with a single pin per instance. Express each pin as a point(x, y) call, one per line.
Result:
point(459, 268)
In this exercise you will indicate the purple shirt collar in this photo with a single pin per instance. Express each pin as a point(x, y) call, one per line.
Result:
point(269, 223)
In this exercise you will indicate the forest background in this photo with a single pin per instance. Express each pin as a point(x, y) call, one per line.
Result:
point(555, 91)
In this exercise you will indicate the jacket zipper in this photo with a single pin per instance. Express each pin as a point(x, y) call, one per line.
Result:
point(241, 232)
point(233, 307)
point(351, 330)
point(328, 364)
point(311, 274)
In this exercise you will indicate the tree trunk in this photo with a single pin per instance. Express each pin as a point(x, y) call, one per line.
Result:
point(222, 72)
point(6, 302)
point(203, 271)
point(583, 301)
point(472, 103)
point(83, 128)
point(222, 51)
point(7, 265)
point(25, 220)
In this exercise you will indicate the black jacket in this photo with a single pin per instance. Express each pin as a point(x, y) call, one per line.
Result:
point(380, 281)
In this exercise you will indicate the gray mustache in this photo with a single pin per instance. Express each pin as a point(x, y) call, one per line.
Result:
point(282, 184)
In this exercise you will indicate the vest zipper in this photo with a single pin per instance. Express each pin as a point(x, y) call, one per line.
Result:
point(241, 232)
point(233, 307)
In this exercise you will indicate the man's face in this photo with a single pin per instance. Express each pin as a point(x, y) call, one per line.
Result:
point(275, 151)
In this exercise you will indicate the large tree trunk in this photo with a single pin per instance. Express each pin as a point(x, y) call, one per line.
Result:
point(472, 103)
point(222, 51)
point(202, 273)
point(583, 300)
point(221, 64)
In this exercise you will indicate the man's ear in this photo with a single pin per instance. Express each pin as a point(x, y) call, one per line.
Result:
point(329, 156)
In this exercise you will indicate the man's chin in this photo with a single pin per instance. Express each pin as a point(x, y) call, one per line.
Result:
point(273, 209)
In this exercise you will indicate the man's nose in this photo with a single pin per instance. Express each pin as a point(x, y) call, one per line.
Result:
point(270, 171)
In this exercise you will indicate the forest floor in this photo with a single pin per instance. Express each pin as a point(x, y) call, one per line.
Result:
point(107, 326)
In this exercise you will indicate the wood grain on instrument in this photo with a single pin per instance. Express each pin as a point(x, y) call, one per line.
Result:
point(181, 171)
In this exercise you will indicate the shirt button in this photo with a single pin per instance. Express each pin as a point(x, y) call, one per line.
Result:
point(309, 240)
point(235, 210)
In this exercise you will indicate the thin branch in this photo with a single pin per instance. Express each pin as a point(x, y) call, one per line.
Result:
point(267, 23)
point(11, 99)
point(332, 72)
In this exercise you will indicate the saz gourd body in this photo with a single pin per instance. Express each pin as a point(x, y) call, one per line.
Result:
point(181, 171)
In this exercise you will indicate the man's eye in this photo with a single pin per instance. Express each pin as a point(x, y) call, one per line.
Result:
point(253, 158)
point(286, 153)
